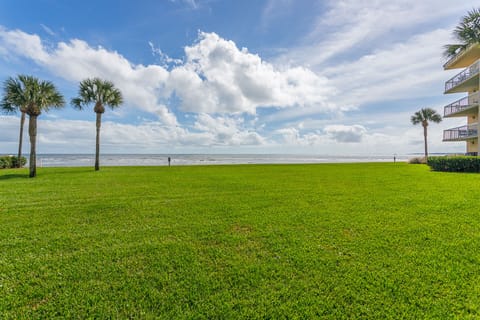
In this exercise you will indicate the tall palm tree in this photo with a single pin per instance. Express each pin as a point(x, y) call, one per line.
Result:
point(13, 100)
point(39, 96)
point(424, 116)
point(101, 93)
point(466, 33)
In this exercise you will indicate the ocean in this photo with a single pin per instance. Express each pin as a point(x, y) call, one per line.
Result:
point(83, 160)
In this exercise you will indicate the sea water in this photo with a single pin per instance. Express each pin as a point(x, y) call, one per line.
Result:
point(81, 160)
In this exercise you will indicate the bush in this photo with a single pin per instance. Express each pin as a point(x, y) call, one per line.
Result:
point(11, 162)
point(23, 161)
point(455, 163)
point(417, 160)
point(5, 162)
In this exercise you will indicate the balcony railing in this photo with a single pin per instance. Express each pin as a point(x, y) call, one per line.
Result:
point(461, 104)
point(461, 133)
point(453, 58)
point(462, 76)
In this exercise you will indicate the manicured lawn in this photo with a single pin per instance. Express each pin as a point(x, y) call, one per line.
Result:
point(384, 241)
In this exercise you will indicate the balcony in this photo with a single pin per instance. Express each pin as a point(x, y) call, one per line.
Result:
point(462, 107)
point(464, 58)
point(461, 133)
point(465, 81)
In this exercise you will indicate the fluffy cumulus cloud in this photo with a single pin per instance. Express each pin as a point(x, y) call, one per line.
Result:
point(294, 137)
point(342, 133)
point(330, 133)
point(218, 77)
point(216, 81)
point(231, 129)
point(77, 60)
point(57, 136)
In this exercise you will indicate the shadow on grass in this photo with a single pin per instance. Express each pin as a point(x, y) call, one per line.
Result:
point(14, 176)
point(66, 170)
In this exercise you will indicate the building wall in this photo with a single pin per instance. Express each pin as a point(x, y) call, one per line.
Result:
point(472, 146)
point(473, 97)
point(472, 118)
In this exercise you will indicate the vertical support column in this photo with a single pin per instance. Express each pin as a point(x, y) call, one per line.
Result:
point(478, 131)
point(478, 119)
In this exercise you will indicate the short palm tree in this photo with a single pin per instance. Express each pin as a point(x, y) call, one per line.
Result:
point(101, 93)
point(466, 33)
point(12, 101)
point(424, 116)
point(34, 97)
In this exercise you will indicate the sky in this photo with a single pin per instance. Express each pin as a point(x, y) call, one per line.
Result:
point(331, 77)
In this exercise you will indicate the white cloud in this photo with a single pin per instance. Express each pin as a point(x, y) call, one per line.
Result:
point(227, 130)
point(76, 60)
point(217, 77)
point(342, 133)
point(193, 4)
point(377, 51)
point(274, 9)
point(409, 69)
point(165, 60)
point(292, 137)
point(349, 24)
point(331, 133)
point(57, 136)
point(10, 128)
point(19, 43)
point(47, 30)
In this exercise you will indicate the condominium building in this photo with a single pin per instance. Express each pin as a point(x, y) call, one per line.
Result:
point(467, 81)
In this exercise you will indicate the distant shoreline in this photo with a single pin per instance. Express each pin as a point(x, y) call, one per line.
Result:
point(84, 160)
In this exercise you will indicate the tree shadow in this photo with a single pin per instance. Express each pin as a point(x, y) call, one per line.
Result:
point(13, 176)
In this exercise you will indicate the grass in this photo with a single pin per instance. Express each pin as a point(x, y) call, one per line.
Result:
point(353, 241)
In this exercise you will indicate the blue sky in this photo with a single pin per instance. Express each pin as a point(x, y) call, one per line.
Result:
point(201, 76)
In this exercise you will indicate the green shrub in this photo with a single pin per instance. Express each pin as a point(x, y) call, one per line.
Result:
point(11, 162)
point(455, 163)
point(5, 162)
point(417, 160)
point(23, 161)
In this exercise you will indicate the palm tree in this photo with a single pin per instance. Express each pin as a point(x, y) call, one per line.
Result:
point(38, 96)
point(424, 116)
point(467, 32)
point(13, 100)
point(101, 93)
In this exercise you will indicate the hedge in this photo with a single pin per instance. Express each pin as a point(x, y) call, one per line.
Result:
point(11, 161)
point(455, 163)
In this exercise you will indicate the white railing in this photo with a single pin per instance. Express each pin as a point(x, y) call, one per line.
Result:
point(462, 76)
point(461, 133)
point(461, 104)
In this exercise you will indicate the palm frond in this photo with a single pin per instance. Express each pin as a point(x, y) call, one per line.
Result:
point(97, 92)
point(425, 115)
point(467, 32)
point(451, 50)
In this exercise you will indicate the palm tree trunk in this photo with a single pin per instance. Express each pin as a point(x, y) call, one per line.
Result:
point(425, 141)
point(32, 131)
point(20, 140)
point(97, 147)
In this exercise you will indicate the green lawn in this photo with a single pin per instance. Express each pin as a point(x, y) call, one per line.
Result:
point(384, 241)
